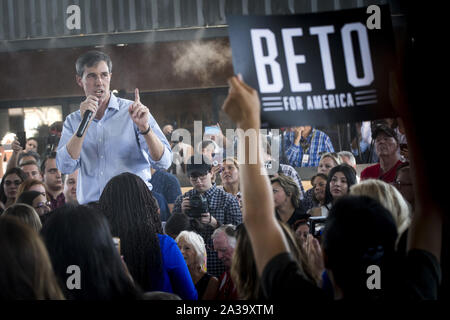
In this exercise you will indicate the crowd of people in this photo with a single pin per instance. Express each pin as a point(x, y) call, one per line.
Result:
point(126, 224)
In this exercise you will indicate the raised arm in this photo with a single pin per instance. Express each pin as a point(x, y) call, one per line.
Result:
point(266, 236)
point(17, 149)
point(425, 232)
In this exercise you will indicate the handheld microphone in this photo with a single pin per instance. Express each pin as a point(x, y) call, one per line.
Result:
point(86, 117)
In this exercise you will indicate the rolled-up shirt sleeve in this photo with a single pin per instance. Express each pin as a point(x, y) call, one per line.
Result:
point(64, 161)
point(166, 158)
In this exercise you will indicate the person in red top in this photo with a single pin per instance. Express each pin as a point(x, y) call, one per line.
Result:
point(224, 240)
point(387, 149)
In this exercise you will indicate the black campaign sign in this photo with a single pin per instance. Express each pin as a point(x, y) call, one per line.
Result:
point(315, 69)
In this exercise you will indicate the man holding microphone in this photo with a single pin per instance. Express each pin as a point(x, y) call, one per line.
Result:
point(108, 135)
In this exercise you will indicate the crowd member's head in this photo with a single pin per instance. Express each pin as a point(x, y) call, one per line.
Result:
point(35, 199)
point(26, 271)
point(340, 179)
point(224, 240)
point(389, 197)
point(386, 141)
point(243, 267)
point(285, 192)
point(359, 233)
point(328, 160)
point(32, 185)
point(56, 128)
point(348, 158)
point(179, 222)
point(70, 187)
point(26, 214)
point(192, 246)
point(167, 130)
point(51, 174)
point(199, 175)
point(31, 145)
point(230, 171)
point(31, 169)
point(80, 236)
point(28, 156)
point(132, 213)
point(319, 183)
point(301, 230)
point(10, 185)
point(230, 176)
point(207, 148)
point(403, 182)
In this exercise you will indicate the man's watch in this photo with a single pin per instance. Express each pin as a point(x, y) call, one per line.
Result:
point(146, 131)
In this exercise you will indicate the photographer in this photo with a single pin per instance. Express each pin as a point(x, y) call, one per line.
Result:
point(210, 205)
point(21, 149)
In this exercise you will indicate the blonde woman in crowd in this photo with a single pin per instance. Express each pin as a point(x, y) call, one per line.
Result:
point(230, 177)
point(392, 200)
point(26, 214)
point(192, 247)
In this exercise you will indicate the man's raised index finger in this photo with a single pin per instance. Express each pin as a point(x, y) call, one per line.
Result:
point(136, 95)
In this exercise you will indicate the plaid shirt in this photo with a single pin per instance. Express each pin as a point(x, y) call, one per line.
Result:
point(224, 207)
point(291, 172)
point(318, 143)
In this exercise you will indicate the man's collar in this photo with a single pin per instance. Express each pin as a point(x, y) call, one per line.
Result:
point(208, 192)
point(113, 101)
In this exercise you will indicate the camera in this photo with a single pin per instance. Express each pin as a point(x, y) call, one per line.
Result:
point(199, 205)
point(316, 226)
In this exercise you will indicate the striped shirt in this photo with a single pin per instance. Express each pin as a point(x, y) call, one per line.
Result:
point(314, 146)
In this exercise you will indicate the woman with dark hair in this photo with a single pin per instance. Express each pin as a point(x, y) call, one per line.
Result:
point(153, 258)
point(25, 270)
point(179, 222)
point(9, 185)
point(340, 179)
point(319, 183)
point(80, 236)
point(37, 200)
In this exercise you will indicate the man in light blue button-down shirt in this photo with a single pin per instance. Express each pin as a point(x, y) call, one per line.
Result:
point(121, 135)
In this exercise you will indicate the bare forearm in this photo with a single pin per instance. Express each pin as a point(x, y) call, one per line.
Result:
point(155, 146)
point(265, 234)
point(12, 163)
point(74, 146)
point(255, 185)
point(425, 232)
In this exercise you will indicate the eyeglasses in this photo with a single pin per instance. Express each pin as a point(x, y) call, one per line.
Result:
point(9, 182)
point(201, 177)
point(42, 205)
point(401, 184)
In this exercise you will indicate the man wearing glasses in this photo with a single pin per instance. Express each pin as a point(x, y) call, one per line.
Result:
point(223, 208)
